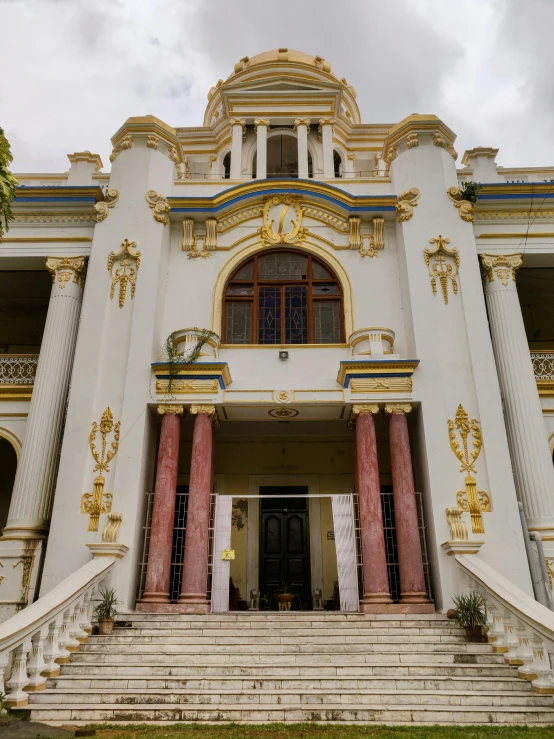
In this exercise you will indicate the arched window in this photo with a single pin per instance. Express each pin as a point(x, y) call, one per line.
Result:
point(283, 297)
point(282, 157)
point(337, 163)
point(227, 166)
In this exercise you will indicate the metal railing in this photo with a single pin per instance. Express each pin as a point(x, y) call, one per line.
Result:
point(543, 364)
point(18, 369)
point(34, 642)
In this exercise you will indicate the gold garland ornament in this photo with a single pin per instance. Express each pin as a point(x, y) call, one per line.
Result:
point(129, 263)
point(443, 264)
point(472, 500)
point(99, 501)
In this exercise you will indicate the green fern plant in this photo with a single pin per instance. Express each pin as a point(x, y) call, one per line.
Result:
point(8, 183)
point(106, 608)
point(469, 610)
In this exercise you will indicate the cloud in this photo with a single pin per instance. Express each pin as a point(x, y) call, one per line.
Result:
point(78, 70)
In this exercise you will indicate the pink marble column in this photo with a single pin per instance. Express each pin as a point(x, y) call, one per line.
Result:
point(376, 595)
point(413, 594)
point(163, 514)
point(195, 565)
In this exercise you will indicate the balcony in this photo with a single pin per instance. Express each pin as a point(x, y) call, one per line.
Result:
point(543, 366)
point(17, 376)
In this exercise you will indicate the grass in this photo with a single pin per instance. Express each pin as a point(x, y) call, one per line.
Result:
point(311, 731)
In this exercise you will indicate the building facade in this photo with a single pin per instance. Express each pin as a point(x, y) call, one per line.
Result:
point(279, 348)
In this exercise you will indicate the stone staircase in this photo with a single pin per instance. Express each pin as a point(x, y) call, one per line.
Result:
point(260, 667)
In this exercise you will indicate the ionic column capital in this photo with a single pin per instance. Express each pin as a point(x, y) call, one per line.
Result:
point(325, 122)
point(398, 409)
point(238, 122)
point(209, 410)
point(501, 267)
point(359, 409)
point(175, 410)
point(302, 122)
point(261, 122)
point(66, 268)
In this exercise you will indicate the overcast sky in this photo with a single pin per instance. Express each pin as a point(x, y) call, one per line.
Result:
point(74, 70)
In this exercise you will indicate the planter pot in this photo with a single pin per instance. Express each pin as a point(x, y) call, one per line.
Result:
point(475, 634)
point(285, 601)
point(105, 627)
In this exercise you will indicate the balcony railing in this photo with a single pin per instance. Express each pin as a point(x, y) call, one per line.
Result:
point(543, 366)
point(17, 376)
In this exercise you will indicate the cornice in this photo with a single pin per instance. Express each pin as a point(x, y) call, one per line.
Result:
point(258, 190)
point(58, 194)
point(358, 369)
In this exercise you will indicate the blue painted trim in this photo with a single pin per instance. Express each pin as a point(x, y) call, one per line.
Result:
point(55, 200)
point(290, 190)
point(518, 196)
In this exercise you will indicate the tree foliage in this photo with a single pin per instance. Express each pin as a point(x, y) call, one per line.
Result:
point(7, 184)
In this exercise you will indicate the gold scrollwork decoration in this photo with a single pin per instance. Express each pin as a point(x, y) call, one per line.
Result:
point(128, 262)
point(280, 205)
point(101, 210)
point(111, 530)
point(407, 201)
point(443, 264)
point(458, 527)
point(159, 205)
point(465, 208)
point(472, 500)
point(125, 143)
point(100, 501)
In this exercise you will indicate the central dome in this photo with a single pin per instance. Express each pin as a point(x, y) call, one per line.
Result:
point(283, 55)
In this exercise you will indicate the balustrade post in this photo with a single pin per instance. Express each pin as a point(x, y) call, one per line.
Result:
point(4, 657)
point(36, 667)
point(73, 645)
point(19, 679)
point(525, 652)
point(544, 681)
point(85, 622)
point(52, 650)
point(64, 639)
point(511, 656)
point(498, 632)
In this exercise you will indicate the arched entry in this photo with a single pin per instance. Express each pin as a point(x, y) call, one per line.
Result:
point(8, 467)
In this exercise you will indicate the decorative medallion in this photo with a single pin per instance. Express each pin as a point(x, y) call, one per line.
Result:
point(282, 396)
point(282, 413)
point(286, 212)
point(472, 500)
point(99, 501)
point(443, 264)
point(128, 263)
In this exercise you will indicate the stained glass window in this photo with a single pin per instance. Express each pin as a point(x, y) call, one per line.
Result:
point(239, 319)
point(283, 297)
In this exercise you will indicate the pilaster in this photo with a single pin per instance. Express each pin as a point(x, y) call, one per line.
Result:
point(446, 325)
point(302, 129)
point(237, 133)
point(262, 127)
point(119, 338)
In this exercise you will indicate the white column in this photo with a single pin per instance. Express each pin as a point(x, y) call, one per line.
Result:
point(262, 126)
point(326, 129)
point(33, 489)
point(237, 132)
point(534, 473)
point(302, 128)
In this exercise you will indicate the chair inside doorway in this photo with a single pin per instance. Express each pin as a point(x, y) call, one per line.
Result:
point(284, 546)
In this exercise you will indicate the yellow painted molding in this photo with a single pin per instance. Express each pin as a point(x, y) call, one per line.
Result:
point(47, 239)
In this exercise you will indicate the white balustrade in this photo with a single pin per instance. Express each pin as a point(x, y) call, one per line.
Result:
point(42, 636)
point(519, 627)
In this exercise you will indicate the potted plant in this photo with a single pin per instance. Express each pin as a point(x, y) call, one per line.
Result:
point(469, 612)
point(285, 596)
point(105, 611)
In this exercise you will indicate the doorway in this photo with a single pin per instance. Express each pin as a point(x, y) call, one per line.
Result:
point(285, 544)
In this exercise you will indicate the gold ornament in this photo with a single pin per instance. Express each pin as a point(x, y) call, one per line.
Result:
point(112, 528)
point(407, 201)
point(101, 210)
point(465, 208)
point(443, 264)
point(99, 501)
point(129, 263)
point(66, 268)
point(279, 205)
point(159, 205)
point(472, 500)
point(502, 266)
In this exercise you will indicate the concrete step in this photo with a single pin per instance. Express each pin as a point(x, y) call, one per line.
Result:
point(287, 617)
point(266, 712)
point(207, 647)
point(261, 641)
point(360, 697)
point(279, 669)
point(99, 681)
point(280, 630)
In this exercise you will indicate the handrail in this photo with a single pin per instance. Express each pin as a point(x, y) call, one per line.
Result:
point(49, 629)
point(519, 628)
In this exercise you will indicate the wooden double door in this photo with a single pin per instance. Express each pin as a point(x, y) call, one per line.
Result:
point(285, 543)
